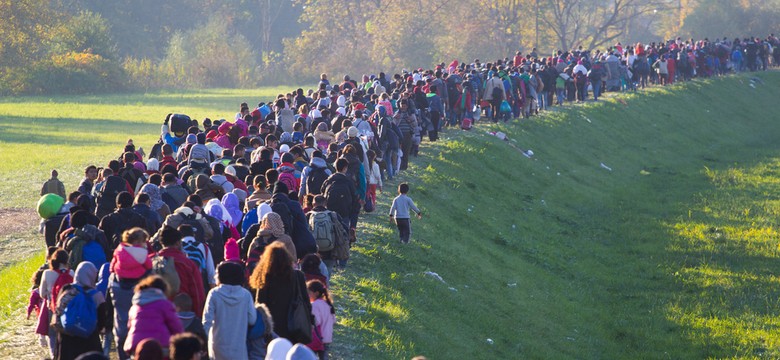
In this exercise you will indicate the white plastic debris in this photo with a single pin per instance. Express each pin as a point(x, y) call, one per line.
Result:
point(434, 275)
point(606, 167)
point(559, 174)
point(453, 289)
point(512, 284)
point(490, 341)
point(529, 153)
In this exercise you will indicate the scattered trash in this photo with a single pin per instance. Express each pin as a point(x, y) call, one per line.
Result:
point(434, 275)
point(359, 311)
point(514, 226)
point(529, 153)
point(512, 285)
point(644, 172)
point(570, 338)
point(544, 202)
point(453, 289)
point(559, 174)
point(606, 167)
point(490, 341)
point(586, 118)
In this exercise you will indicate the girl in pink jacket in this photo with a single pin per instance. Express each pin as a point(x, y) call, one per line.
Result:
point(152, 315)
point(324, 315)
point(131, 258)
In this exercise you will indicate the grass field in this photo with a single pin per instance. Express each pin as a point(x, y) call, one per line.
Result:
point(669, 250)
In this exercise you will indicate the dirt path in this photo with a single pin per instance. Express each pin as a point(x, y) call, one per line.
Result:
point(19, 238)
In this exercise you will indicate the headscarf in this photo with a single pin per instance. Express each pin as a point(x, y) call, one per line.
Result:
point(278, 349)
point(231, 204)
point(153, 165)
point(285, 137)
point(273, 223)
point(86, 274)
point(217, 210)
point(154, 194)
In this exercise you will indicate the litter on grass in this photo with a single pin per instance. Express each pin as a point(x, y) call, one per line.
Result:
point(606, 167)
point(512, 284)
point(503, 136)
point(453, 289)
point(490, 341)
point(435, 276)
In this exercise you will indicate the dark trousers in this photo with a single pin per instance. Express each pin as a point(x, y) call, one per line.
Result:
point(433, 135)
point(404, 229)
point(406, 147)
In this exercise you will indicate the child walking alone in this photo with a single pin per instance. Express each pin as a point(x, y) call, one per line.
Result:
point(400, 212)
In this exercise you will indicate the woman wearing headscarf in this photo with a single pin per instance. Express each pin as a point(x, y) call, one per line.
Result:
point(157, 204)
point(233, 207)
point(70, 347)
point(215, 209)
point(271, 230)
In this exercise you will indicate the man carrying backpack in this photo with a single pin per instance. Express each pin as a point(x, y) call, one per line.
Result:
point(108, 189)
point(314, 175)
point(200, 254)
point(88, 243)
point(115, 223)
point(389, 141)
point(188, 272)
point(494, 94)
point(329, 232)
point(341, 194)
point(133, 176)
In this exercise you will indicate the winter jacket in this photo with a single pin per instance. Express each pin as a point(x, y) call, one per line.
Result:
point(189, 276)
point(344, 207)
point(152, 316)
point(152, 218)
point(406, 122)
point(494, 82)
point(114, 224)
point(130, 262)
point(178, 217)
point(324, 319)
point(177, 193)
point(301, 236)
point(318, 163)
point(277, 294)
point(229, 312)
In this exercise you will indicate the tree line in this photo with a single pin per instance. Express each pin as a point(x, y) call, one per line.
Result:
point(82, 46)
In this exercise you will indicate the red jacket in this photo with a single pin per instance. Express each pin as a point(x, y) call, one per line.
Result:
point(189, 275)
point(168, 160)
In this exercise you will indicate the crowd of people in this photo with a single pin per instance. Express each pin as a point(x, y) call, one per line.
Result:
point(220, 242)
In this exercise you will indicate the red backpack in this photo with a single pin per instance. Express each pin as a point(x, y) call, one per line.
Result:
point(466, 124)
point(63, 279)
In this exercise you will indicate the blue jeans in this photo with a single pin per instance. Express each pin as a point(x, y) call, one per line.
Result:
point(561, 95)
point(596, 89)
point(121, 297)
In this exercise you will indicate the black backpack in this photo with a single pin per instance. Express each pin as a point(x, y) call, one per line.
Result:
point(283, 210)
point(314, 181)
point(339, 196)
point(106, 197)
point(197, 227)
point(497, 93)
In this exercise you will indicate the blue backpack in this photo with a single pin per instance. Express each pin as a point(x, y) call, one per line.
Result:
point(94, 253)
point(80, 315)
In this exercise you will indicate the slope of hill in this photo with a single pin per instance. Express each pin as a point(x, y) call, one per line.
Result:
point(642, 227)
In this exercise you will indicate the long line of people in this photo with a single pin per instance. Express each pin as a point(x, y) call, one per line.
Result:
point(229, 231)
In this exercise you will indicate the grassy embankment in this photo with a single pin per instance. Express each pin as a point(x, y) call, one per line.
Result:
point(670, 254)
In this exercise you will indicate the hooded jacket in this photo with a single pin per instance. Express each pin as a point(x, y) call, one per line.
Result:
point(189, 276)
point(152, 316)
point(207, 189)
point(229, 312)
point(314, 163)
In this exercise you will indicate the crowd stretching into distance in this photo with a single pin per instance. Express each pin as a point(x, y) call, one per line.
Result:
point(220, 242)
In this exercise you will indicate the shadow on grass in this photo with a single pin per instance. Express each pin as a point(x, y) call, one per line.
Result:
point(67, 131)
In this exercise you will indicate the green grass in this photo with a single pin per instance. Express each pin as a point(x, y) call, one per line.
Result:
point(38, 134)
point(671, 254)
point(16, 286)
